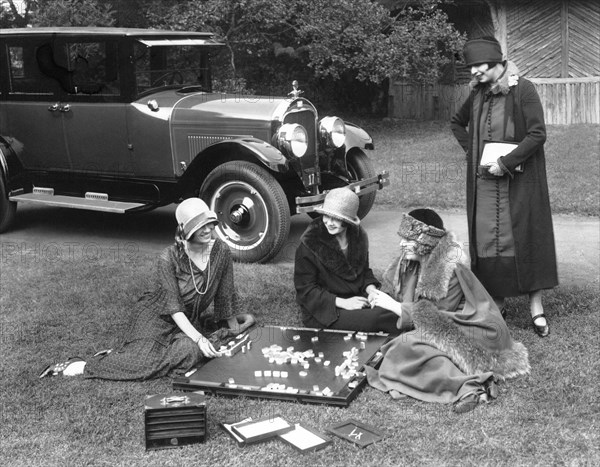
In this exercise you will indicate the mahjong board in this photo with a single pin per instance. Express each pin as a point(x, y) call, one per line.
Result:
point(290, 364)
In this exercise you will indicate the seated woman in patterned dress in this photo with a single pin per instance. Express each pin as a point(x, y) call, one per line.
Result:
point(172, 326)
point(460, 344)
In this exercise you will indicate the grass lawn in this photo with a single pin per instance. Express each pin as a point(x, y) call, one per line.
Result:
point(551, 416)
point(53, 309)
point(427, 165)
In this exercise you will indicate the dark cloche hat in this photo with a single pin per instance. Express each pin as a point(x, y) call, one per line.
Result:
point(483, 50)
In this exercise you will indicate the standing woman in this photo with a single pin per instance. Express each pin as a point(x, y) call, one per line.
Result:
point(508, 209)
point(172, 326)
point(332, 274)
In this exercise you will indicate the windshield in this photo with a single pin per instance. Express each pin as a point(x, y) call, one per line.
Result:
point(171, 66)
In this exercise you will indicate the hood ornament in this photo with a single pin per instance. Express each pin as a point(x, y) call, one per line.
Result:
point(295, 92)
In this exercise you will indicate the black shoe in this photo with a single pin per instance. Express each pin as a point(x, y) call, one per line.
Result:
point(491, 388)
point(541, 331)
point(466, 403)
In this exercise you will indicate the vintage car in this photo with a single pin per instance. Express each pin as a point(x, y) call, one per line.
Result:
point(126, 120)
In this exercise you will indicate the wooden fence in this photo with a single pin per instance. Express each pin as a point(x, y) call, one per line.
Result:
point(569, 100)
point(566, 101)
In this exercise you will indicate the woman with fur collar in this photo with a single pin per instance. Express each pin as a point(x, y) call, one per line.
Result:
point(508, 209)
point(332, 274)
point(460, 344)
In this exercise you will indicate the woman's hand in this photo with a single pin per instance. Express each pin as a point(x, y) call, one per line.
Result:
point(207, 348)
point(383, 300)
point(352, 303)
point(495, 169)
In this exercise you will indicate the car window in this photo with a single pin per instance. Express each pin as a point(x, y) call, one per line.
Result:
point(51, 68)
point(94, 68)
point(170, 66)
point(25, 75)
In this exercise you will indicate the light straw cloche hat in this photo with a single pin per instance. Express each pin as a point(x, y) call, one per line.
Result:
point(193, 214)
point(341, 203)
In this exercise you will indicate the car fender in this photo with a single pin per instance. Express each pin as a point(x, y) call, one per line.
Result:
point(356, 137)
point(246, 148)
point(10, 166)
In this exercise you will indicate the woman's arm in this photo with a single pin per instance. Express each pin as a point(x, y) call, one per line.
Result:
point(459, 122)
point(533, 115)
point(189, 330)
point(174, 305)
point(310, 294)
point(383, 300)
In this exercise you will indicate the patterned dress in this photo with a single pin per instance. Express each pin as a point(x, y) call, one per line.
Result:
point(154, 346)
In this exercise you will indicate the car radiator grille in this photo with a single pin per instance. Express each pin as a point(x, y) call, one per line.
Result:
point(307, 119)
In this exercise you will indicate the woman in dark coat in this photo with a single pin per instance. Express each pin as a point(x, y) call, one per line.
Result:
point(508, 209)
point(332, 274)
point(460, 345)
point(172, 330)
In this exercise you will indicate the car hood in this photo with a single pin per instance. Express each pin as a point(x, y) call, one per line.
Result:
point(216, 110)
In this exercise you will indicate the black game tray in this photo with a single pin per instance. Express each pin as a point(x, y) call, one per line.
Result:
point(291, 364)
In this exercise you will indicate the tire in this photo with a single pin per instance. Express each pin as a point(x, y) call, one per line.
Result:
point(359, 168)
point(8, 209)
point(253, 212)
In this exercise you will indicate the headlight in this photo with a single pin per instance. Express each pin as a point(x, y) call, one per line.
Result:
point(293, 139)
point(332, 131)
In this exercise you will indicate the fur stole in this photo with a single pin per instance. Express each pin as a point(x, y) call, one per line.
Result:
point(508, 79)
point(327, 249)
point(435, 271)
point(471, 357)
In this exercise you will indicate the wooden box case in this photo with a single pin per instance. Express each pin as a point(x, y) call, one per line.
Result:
point(173, 420)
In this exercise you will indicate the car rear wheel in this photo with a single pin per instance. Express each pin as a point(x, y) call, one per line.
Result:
point(8, 209)
point(254, 216)
point(359, 168)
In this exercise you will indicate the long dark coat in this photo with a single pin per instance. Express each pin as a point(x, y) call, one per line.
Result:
point(528, 190)
point(322, 272)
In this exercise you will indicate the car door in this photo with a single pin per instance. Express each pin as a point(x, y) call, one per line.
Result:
point(95, 120)
point(32, 111)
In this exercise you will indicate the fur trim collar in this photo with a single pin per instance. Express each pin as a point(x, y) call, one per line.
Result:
point(326, 248)
point(468, 355)
point(435, 270)
point(508, 79)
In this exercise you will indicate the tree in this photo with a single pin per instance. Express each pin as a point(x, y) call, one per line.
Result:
point(15, 14)
point(74, 13)
point(362, 36)
point(23, 13)
point(333, 37)
point(247, 27)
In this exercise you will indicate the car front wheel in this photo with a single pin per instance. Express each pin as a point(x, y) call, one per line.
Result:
point(8, 208)
point(254, 216)
point(360, 167)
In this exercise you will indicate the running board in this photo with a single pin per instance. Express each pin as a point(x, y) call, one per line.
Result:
point(92, 201)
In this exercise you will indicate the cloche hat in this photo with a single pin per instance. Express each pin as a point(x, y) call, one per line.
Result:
point(193, 214)
point(341, 203)
point(483, 50)
point(423, 226)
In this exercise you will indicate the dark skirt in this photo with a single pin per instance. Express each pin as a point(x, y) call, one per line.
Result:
point(375, 319)
point(495, 265)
